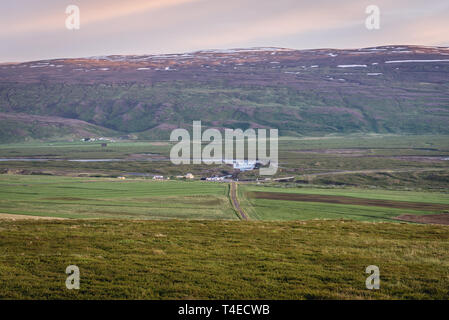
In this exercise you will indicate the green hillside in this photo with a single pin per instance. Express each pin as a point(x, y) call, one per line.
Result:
point(297, 92)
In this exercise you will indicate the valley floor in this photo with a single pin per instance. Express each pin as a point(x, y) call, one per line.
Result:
point(354, 202)
point(140, 198)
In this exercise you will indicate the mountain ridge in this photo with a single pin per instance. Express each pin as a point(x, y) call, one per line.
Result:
point(386, 89)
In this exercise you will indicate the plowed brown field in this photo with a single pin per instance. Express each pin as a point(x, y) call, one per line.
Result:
point(349, 200)
point(428, 218)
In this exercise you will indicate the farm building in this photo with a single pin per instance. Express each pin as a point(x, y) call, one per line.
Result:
point(215, 178)
point(244, 165)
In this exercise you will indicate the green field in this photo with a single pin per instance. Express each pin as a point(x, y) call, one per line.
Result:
point(140, 198)
point(412, 162)
point(222, 259)
point(82, 150)
point(69, 197)
point(431, 197)
point(269, 209)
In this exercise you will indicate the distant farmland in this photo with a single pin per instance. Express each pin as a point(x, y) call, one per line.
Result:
point(267, 203)
point(73, 197)
point(68, 197)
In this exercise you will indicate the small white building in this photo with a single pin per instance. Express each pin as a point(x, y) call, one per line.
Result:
point(158, 178)
point(190, 176)
point(215, 179)
point(244, 165)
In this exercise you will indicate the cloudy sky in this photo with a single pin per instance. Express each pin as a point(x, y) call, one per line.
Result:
point(32, 30)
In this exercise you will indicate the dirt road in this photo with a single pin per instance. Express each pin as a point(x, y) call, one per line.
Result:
point(235, 201)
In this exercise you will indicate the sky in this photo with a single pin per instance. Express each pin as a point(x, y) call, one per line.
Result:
point(36, 30)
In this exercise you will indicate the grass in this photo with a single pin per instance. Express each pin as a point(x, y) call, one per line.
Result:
point(70, 197)
point(269, 209)
point(139, 198)
point(82, 150)
point(384, 161)
point(222, 259)
point(412, 196)
point(292, 210)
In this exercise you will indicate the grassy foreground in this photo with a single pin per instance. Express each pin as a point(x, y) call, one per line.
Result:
point(121, 259)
